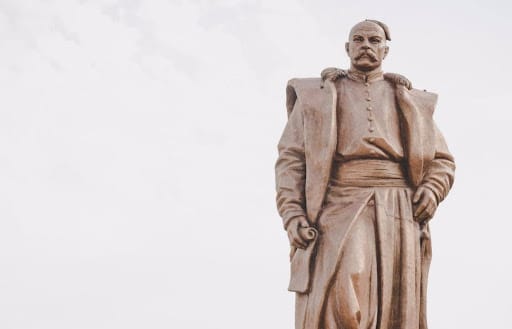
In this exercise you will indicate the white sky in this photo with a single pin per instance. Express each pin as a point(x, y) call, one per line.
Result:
point(138, 139)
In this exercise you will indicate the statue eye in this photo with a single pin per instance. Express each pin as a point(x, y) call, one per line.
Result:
point(374, 40)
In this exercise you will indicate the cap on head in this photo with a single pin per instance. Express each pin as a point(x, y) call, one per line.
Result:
point(383, 26)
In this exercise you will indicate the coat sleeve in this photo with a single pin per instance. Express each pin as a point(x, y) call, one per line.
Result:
point(291, 168)
point(440, 174)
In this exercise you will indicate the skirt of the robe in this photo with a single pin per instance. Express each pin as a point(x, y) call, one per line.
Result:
point(371, 264)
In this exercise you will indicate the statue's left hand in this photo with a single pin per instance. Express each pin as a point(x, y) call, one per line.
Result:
point(424, 204)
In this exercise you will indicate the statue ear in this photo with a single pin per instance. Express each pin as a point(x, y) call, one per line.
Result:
point(346, 47)
point(386, 51)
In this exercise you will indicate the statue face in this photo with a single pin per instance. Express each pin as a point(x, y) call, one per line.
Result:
point(366, 46)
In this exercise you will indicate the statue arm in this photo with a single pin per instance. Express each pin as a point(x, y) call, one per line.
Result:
point(291, 168)
point(440, 174)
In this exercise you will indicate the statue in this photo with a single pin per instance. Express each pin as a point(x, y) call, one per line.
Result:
point(361, 170)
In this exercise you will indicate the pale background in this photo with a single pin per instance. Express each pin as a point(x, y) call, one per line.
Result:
point(137, 144)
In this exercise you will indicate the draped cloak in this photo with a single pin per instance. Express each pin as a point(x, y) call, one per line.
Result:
point(306, 154)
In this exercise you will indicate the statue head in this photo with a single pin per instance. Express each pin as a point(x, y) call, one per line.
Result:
point(366, 45)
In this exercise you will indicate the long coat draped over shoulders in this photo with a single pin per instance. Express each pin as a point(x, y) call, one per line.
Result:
point(308, 145)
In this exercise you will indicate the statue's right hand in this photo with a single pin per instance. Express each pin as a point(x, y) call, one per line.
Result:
point(296, 239)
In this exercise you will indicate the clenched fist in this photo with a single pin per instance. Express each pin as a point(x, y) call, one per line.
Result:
point(293, 229)
point(424, 204)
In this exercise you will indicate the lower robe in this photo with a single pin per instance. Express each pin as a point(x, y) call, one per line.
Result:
point(372, 258)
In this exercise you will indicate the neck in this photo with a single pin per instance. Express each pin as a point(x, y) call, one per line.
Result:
point(365, 76)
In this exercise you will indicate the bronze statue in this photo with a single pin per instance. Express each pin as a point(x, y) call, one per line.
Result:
point(362, 168)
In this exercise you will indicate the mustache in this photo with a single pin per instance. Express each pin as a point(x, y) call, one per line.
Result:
point(368, 53)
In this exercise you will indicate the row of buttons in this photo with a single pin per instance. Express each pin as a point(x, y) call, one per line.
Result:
point(371, 117)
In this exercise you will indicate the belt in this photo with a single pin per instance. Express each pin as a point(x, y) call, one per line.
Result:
point(369, 173)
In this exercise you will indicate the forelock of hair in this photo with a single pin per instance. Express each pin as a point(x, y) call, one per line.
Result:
point(383, 26)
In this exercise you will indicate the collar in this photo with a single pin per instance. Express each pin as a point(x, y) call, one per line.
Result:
point(362, 77)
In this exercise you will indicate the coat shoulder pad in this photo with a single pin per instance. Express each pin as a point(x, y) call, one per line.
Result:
point(398, 79)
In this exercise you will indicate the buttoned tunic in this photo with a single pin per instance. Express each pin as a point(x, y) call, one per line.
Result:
point(368, 121)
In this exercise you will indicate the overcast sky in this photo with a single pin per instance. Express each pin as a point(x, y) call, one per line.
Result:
point(138, 139)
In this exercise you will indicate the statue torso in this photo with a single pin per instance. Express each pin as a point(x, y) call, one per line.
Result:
point(368, 120)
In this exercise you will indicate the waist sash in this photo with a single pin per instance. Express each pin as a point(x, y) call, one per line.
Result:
point(369, 173)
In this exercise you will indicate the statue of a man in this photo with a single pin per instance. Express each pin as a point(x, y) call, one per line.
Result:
point(362, 168)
